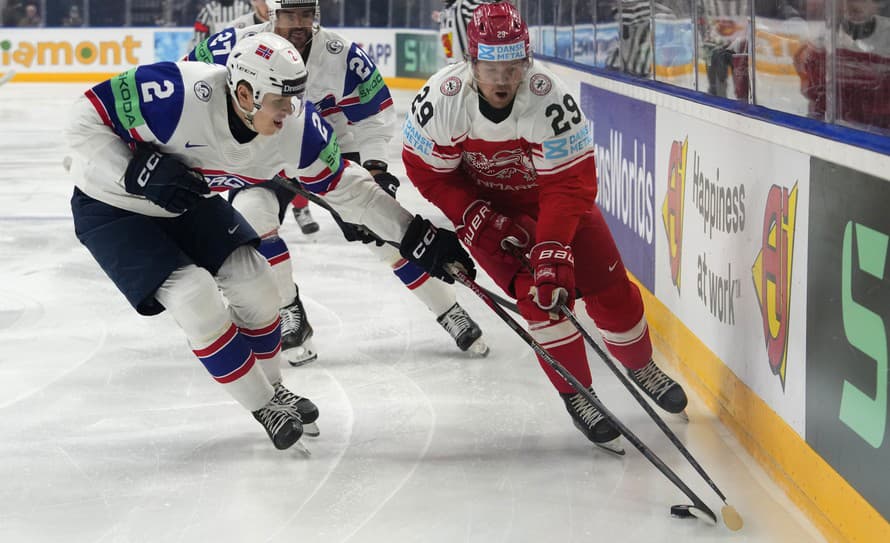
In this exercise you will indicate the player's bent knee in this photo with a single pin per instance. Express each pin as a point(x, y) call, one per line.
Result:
point(248, 283)
point(260, 207)
point(191, 296)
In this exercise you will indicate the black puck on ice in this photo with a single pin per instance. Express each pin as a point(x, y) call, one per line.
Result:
point(681, 511)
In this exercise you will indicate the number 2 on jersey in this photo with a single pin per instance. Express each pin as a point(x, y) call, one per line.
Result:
point(153, 89)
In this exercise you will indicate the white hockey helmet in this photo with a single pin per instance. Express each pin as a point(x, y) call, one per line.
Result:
point(269, 64)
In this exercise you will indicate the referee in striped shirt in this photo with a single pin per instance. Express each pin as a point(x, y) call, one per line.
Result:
point(453, 21)
point(215, 15)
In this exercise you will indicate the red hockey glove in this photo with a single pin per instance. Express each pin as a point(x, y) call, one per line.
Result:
point(554, 268)
point(486, 230)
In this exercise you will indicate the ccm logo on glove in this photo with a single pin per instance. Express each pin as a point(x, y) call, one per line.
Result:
point(149, 167)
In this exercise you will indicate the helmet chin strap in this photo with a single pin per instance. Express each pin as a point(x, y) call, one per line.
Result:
point(248, 115)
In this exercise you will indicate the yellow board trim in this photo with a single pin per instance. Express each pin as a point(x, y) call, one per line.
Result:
point(835, 507)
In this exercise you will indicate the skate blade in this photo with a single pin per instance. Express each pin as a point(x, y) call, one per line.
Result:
point(302, 355)
point(299, 447)
point(616, 446)
point(311, 430)
point(478, 349)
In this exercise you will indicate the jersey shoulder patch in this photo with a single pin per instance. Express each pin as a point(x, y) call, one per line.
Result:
point(149, 97)
point(334, 46)
point(540, 84)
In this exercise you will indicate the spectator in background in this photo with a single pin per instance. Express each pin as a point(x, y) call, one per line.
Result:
point(862, 67)
point(31, 17)
point(13, 12)
point(73, 18)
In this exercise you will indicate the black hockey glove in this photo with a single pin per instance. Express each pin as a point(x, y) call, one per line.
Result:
point(164, 180)
point(434, 249)
point(387, 182)
point(355, 232)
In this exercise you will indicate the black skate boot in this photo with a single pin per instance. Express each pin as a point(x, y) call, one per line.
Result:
point(464, 330)
point(663, 390)
point(304, 219)
point(593, 424)
point(296, 334)
point(281, 420)
point(308, 410)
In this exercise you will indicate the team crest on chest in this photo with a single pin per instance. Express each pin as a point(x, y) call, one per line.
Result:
point(203, 91)
point(334, 46)
point(451, 86)
point(540, 84)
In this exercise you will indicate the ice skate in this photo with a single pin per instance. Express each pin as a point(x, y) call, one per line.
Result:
point(464, 330)
point(296, 334)
point(304, 219)
point(663, 390)
point(593, 424)
point(308, 410)
point(281, 421)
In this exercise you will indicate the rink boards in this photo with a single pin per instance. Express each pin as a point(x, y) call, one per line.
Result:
point(763, 253)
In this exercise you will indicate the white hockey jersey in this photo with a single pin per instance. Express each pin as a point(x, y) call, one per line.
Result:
point(538, 161)
point(344, 84)
point(181, 108)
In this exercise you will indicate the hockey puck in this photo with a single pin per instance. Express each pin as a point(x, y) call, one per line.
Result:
point(681, 511)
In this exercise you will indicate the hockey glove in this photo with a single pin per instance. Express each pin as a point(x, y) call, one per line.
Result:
point(387, 182)
point(554, 274)
point(490, 232)
point(356, 232)
point(435, 249)
point(164, 180)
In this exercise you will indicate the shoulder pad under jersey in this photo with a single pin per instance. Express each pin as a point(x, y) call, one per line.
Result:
point(144, 103)
point(319, 141)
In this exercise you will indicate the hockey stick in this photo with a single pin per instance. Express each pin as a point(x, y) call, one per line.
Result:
point(6, 77)
point(698, 505)
point(319, 201)
point(731, 517)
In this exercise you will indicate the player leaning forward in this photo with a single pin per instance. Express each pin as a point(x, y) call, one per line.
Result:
point(504, 150)
point(347, 89)
point(151, 147)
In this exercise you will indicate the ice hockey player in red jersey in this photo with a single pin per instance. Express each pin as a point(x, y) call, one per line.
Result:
point(502, 147)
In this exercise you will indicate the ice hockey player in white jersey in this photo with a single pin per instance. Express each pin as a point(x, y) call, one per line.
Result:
point(151, 150)
point(349, 92)
point(453, 20)
point(501, 146)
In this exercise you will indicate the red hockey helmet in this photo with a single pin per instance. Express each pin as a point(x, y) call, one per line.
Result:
point(497, 33)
